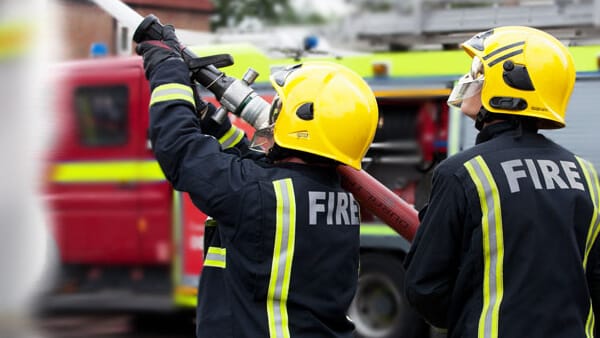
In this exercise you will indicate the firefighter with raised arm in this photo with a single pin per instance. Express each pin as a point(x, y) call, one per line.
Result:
point(507, 246)
point(284, 259)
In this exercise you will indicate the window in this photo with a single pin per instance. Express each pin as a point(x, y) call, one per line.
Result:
point(102, 115)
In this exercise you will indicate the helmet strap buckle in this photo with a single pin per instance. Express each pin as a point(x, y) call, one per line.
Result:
point(483, 116)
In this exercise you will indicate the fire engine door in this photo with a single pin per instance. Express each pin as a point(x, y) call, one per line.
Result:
point(98, 170)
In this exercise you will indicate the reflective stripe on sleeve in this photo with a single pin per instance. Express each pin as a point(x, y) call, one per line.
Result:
point(216, 257)
point(493, 246)
point(232, 137)
point(172, 91)
point(589, 324)
point(591, 179)
point(283, 254)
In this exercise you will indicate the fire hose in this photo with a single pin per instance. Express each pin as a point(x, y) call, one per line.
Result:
point(237, 97)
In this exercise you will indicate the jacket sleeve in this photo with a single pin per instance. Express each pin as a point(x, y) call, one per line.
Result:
point(432, 262)
point(593, 279)
point(191, 160)
point(230, 137)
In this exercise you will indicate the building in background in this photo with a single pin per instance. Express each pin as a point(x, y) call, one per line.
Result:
point(418, 24)
point(88, 28)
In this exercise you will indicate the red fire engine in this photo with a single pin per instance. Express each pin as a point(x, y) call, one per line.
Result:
point(127, 241)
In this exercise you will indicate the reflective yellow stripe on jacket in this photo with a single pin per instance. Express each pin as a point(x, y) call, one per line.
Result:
point(283, 254)
point(172, 91)
point(592, 182)
point(493, 246)
point(231, 137)
point(591, 179)
point(216, 257)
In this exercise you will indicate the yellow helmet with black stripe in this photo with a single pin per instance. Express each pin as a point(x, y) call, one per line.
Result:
point(326, 109)
point(526, 72)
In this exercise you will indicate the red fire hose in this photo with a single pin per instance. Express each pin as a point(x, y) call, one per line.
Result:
point(381, 201)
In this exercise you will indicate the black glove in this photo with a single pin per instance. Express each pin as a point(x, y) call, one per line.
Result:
point(208, 125)
point(156, 51)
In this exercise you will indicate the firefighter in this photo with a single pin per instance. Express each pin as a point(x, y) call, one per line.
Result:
point(507, 244)
point(284, 259)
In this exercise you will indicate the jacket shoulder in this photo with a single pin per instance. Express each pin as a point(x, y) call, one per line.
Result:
point(455, 163)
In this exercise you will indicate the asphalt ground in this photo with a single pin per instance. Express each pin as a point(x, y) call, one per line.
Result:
point(71, 325)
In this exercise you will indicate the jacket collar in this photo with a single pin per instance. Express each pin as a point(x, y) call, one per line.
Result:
point(492, 130)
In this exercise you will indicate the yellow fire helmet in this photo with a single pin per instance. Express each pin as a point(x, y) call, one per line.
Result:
point(526, 72)
point(325, 109)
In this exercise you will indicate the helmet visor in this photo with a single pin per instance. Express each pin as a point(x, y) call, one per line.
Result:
point(469, 85)
point(476, 68)
point(465, 88)
point(275, 109)
point(262, 140)
point(280, 77)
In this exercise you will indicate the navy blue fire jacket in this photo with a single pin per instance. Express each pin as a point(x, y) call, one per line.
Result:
point(507, 246)
point(284, 259)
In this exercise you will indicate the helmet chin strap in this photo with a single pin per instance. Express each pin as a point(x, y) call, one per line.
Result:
point(483, 116)
point(278, 153)
point(519, 123)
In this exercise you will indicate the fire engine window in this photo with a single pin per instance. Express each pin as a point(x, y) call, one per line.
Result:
point(102, 115)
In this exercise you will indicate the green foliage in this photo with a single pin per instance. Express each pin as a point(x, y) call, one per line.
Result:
point(270, 12)
point(377, 6)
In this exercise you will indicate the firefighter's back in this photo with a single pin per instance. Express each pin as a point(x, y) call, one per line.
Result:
point(527, 241)
point(289, 257)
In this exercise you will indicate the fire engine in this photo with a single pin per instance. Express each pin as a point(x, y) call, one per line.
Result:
point(127, 241)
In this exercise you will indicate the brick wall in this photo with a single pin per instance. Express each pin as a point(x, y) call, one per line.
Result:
point(83, 23)
point(178, 18)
